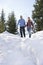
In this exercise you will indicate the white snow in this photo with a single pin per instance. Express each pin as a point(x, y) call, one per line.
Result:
point(15, 50)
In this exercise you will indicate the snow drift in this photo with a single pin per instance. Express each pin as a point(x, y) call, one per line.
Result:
point(15, 50)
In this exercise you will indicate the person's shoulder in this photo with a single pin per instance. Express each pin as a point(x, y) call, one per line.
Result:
point(23, 19)
point(31, 21)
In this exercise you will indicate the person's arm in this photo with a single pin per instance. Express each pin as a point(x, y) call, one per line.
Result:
point(24, 23)
point(18, 24)
point(27, 23)
point(32, 24)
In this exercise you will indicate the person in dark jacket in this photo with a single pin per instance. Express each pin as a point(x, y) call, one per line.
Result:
point(29, 26)
point(21, 22)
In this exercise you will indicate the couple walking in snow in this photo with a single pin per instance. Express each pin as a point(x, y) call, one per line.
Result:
point(22, 24)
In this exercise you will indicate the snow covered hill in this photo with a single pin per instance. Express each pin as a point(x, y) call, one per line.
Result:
point(15, 50)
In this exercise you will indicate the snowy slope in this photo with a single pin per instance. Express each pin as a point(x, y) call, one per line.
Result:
point(15, 50)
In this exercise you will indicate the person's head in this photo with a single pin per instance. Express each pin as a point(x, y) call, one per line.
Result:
point(28, 18)
point(21, 17)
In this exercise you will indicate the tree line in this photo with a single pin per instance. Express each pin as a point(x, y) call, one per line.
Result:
point(37, 14)
point(10, 24)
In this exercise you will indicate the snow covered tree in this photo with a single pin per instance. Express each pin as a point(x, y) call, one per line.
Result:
point(37, 14)
point(2, 22)
point(11, 23)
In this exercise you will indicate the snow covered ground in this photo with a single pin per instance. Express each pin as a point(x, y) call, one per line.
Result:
point(15, 50)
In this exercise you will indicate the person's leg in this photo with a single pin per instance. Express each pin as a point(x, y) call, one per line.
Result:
point(24, 31)
point(21, 32)
point(30, 33)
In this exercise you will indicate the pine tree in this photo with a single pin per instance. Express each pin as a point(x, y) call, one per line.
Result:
point(2, 16)
point(2, 21)
point(37, 14)
point(12, 23)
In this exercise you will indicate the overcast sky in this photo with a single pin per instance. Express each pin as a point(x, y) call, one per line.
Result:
point(20, 7)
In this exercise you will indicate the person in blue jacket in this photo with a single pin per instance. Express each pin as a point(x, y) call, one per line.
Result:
point(21, 22)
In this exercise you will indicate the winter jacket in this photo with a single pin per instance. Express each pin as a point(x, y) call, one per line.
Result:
point(21, 22)
point(29, 24)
